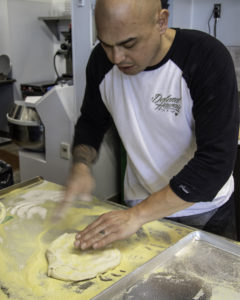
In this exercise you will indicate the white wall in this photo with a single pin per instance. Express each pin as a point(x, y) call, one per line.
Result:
point(228, 25)
point(60, 7)
point(28, 41)
point(181, 13)
point(4, 30)
point(195, 14)
point(31, 43)
point(170, 8)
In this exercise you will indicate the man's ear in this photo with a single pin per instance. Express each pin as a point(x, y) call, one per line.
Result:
point(163, 20)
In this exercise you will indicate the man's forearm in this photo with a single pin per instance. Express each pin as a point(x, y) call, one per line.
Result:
point(159, 205)
point(84, 154)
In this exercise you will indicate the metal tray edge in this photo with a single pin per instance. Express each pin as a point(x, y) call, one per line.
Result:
point(27, 183)
point(133, 277)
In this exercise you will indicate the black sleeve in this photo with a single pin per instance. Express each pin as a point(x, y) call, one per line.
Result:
point(213, 88)
point(95, 119)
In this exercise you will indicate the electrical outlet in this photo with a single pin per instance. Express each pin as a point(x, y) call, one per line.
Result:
point(217, 9)
point(65, 152)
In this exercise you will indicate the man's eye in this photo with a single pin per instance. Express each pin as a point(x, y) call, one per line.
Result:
point(128, 46)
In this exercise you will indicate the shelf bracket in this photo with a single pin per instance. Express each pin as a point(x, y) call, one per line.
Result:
point(53, 22)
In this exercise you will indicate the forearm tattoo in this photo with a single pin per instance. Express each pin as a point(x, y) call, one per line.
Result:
point(84, 154)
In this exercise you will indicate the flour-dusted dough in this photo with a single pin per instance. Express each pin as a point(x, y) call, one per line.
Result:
point(67, 263)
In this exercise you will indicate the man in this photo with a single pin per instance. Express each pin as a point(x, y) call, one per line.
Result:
point(172, 95)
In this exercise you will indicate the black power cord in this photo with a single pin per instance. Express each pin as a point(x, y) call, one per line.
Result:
point(54, 65)
point(216, 13)
point(209, 20)
point(58, 53)
point(215, 27)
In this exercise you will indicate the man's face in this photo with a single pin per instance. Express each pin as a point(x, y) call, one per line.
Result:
point(131, 44)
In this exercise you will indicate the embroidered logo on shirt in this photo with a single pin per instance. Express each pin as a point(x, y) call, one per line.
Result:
point(166, 104)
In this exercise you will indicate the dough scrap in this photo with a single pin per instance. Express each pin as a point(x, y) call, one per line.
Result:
point(67, 263)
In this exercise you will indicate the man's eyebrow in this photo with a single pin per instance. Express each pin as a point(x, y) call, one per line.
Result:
point(120, 43)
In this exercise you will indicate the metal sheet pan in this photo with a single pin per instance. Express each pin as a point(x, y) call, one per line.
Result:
point(24, 184)
point(201, 266)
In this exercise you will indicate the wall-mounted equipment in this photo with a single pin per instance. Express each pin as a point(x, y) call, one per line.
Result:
point(66, 51)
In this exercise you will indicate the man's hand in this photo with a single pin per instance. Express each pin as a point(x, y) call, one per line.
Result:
point(109, 227)
point(80, 184)
point(117, 225)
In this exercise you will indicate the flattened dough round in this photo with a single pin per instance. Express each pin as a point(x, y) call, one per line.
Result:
point(67, 263)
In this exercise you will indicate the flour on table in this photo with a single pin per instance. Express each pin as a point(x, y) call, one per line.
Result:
point(2, 212)
point(31, 205)
point(67, 263)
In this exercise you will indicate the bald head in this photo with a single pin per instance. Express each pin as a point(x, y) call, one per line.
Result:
point(126, 10)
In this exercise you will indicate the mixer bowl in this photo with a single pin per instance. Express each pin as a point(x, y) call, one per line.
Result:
point(25, 126)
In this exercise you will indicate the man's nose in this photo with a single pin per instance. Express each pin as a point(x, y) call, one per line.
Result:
point(118, 55)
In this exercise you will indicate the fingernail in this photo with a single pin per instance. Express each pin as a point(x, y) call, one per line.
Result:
point(83, 246)
point(95, 245)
